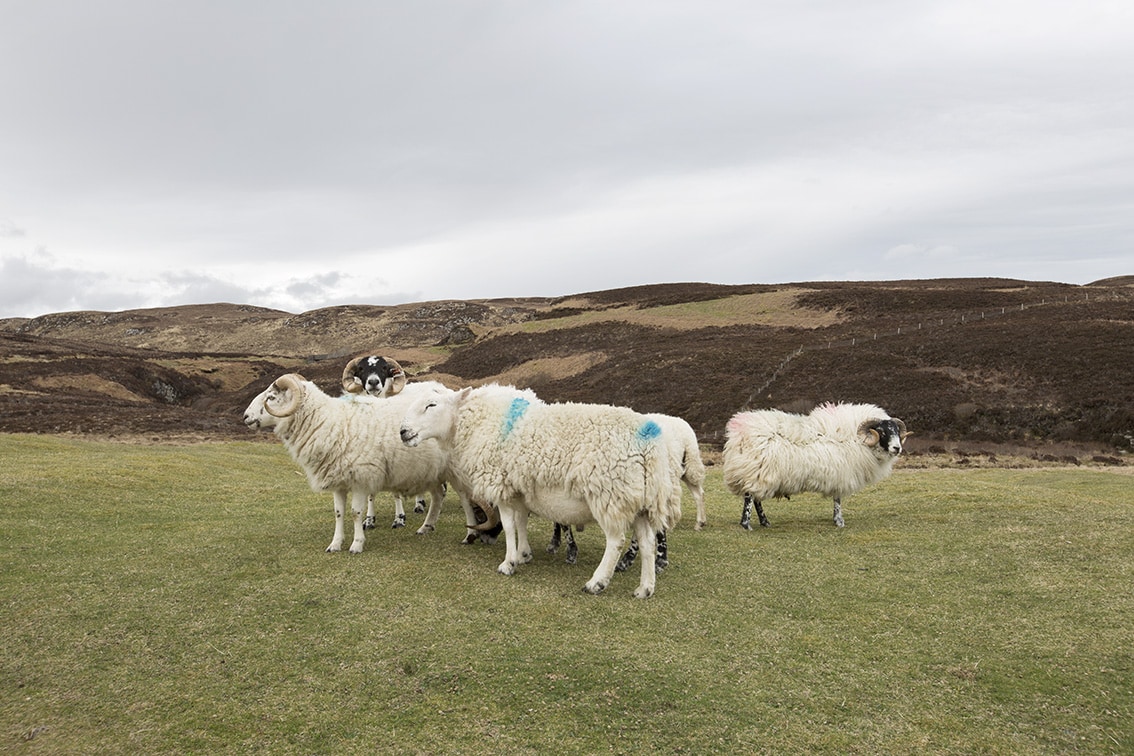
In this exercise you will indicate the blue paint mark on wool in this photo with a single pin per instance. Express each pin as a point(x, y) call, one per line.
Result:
point(517, 409)
point(649, 431)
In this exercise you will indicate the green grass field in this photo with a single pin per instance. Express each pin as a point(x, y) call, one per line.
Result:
point(177, 599)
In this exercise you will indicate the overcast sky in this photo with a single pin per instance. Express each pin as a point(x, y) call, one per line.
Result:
point(299, 155)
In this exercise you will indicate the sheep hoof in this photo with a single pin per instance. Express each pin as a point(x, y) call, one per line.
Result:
point(746, 525)
point(419, 506)
point(334, 547)
point(594, 587)
point(424, 529)
point(572, 554)
point(506, 568)
point(356, 547)
point(643, 592)
point(368, 523)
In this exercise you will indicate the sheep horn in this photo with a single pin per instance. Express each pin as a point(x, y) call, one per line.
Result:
point(872, 436)
point(397, 375)
point(493, 520)
point(351, 383)
point(903, 434)
point(290, 383)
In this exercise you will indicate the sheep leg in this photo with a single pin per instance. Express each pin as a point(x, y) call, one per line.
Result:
point(358, 506)
point(508, 520)
point(369, 522)
point(572, 547)
point(340, 512)
point(838, 513)
point(556, 538)
point(436, 497)
point(524, 548)
point(471, 533)
point(629, 557)
point(601, 577)
point(699, 497)
point(746, 512)
point(399, 513)
point(648, 545)
point(631, 554)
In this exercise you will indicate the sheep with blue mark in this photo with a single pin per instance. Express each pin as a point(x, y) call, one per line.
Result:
point(571, 463)
point(685, 456)
point(836, 450)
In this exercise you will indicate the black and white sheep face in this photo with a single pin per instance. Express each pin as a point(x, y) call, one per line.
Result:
point(889, 437)
point(375, 375)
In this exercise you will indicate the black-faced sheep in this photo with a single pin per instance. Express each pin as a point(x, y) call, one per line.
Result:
point(836, 450)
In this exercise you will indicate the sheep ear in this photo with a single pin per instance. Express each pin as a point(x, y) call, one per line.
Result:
point(351, 382)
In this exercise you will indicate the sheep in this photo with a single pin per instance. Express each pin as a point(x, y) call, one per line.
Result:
point(379, 377)
point(685, 456)
point(836, 450)
point(350, 445)
point(571, 463)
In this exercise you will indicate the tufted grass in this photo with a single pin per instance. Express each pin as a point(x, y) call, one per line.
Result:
point(177, 599)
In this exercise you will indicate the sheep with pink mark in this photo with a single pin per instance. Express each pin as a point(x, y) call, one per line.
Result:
point(836, 450)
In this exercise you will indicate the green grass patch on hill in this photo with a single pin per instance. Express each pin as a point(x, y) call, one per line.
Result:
point(177, 599)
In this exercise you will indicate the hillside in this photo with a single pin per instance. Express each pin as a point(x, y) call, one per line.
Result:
point(980, 361)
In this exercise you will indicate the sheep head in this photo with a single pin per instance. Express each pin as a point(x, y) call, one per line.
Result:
point(872, 432)
point(286, 395)
point(390, 374)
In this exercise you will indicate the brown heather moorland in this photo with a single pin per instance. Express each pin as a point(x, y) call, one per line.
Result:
point(982, 370)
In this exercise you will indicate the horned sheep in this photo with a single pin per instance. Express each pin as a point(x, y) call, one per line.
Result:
point(350, 446)
point(836, 450)
point(571, 463)
point(380, 377)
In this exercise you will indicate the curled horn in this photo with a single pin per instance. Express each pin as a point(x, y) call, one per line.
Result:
point(903, 434)
point(351, 383)
point(397, 377)
point(867, 431)
point(291, 384)
point(493, 518)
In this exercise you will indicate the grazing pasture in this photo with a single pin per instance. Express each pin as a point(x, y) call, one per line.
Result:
point(177, 599)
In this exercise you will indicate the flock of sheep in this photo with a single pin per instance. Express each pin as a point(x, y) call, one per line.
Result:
point(508, 454)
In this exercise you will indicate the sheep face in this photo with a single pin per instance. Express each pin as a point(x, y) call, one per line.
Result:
point(264, 412)
point(886, 436)
point(374, 375)
point(256, 415)
point(432, 416)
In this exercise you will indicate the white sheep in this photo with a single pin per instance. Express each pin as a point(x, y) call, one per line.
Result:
point(570, 463)
point(836, 450)
point(685, 456)
point(380, 377)
point(350, 445)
